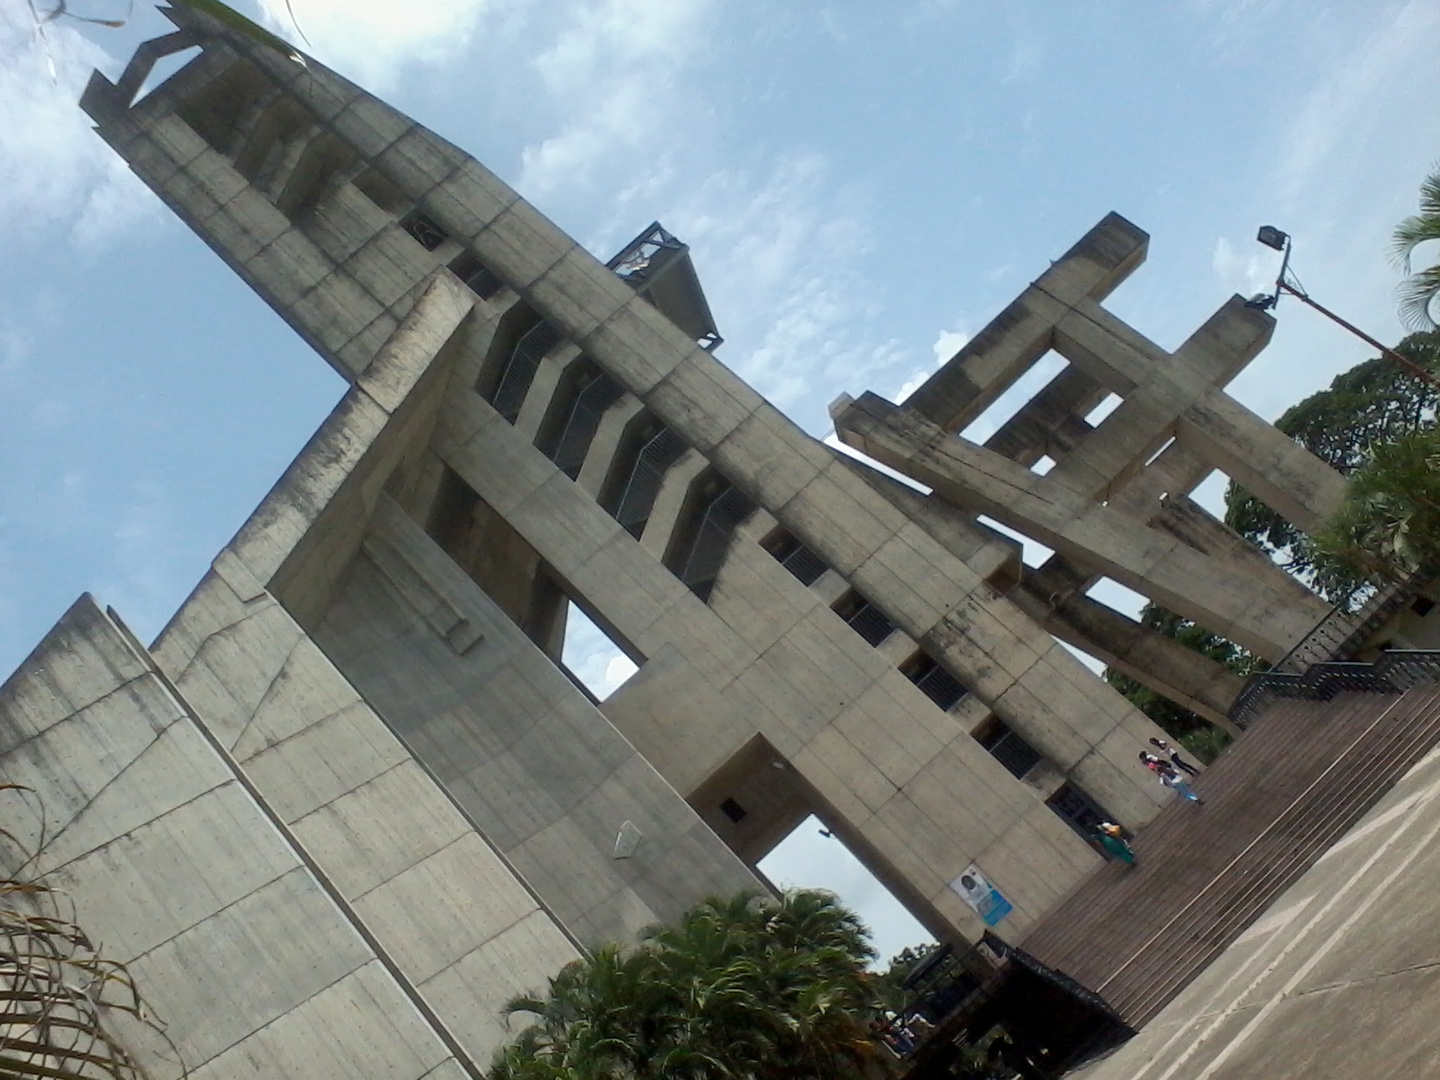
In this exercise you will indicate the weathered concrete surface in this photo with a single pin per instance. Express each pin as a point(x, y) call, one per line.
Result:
point(241, 944)
point(1341, 979)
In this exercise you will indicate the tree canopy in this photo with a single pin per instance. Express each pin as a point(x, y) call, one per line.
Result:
point(746, 987)
point(1372, 404)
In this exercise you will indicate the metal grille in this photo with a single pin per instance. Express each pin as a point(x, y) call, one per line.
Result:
point(712, 539)
point(936, 683)
point(651, 465)
point(584, 419)
point(1012, 751)
point(804, 564)
point(868, 621)
point(521, 367)
point(1078, 810)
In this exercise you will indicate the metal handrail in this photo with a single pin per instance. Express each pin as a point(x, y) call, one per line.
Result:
point(1394, 671)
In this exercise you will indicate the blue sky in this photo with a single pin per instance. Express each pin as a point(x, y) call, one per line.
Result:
point(863, 185)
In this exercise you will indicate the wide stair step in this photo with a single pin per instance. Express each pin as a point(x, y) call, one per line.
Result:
point(1288, 789)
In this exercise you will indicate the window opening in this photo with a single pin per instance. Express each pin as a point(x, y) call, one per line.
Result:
point(790, 553)
point(591, 657)
point(381, 190)
point(318, 167)
point(813, 856)
point(720, 517)
point(864, 618)
point(1078, 810)
point(1003, 409)
point(1108, 404)
point(1010, 749)
point(934, 681)
point(520, 369)
point(261, 151)
point(423, 230)
point(590, 405)
point(216, 109)
point(637, 499)
point(475, 275)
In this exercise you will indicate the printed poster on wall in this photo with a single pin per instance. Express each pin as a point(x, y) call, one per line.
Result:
point(981, 894)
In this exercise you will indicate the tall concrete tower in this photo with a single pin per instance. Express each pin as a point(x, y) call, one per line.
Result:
point(368, 682)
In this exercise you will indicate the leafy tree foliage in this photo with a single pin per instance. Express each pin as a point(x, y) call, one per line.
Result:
point(744, 988)
point(1421, 288)
point(1374, 403)
point(1191, 731)
point(1389, 525)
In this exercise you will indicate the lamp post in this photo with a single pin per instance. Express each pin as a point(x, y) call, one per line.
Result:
point(1272, 237)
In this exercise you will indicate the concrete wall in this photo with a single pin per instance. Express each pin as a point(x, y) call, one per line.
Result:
point(258, 958)
point(310, 189)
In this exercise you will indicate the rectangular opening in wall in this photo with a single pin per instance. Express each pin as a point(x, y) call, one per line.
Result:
point(382, 191)
point(813, 856)
point(423, 230)
point(322, 163)
point(591, 657)
point(1078, 810)
point(864, 618)
point(645, 456)
point(597, 392)
point(215, 110)
point(1004, 408)
point(476, 276)
point(1009, 748)
point(703, 535)
point(520, 368)
point(789, 552)
point(934, 681)
point(1108, 404)
point(1032, 552)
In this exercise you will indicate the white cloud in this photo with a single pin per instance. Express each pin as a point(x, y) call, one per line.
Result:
point(54, 170)
point(1247, 273)
point(613, 74)
point(948, 344)
point(783, 259)
point(371, 40)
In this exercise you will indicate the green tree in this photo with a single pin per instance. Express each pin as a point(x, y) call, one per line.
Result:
point(1419, 290)
point(745, 987)
point(1389, 524)
point(1193, 732)
point(1374, 403)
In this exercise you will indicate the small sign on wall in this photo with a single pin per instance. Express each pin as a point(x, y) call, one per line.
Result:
point(981, 894)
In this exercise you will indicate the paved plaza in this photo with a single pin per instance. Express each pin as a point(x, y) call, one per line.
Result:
point(1340, 978)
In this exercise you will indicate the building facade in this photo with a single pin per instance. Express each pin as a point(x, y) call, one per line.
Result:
point(357, 732)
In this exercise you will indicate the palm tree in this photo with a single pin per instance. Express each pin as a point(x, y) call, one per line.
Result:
point(742, 987)
point(1421, 288)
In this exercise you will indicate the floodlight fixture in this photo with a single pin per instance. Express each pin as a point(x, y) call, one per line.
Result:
point(1272, 237)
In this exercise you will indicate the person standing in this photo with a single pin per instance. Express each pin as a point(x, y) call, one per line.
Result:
point(1112, 839)
point(1174, 755)
point(1171, 779)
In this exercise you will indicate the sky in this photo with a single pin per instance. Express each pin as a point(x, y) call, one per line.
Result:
point(863, 187)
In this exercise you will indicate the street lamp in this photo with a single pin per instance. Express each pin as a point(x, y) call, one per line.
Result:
point(1285, 282)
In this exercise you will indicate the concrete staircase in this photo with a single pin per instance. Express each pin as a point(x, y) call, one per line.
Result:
point(1301, 776)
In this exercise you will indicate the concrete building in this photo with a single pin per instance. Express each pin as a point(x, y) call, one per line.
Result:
point(357, 734)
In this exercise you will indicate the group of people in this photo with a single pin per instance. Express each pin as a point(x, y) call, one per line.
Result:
point(1167, 764)
point(1169, 767)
